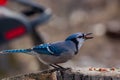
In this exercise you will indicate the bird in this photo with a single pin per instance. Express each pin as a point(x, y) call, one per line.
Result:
point(54, 53)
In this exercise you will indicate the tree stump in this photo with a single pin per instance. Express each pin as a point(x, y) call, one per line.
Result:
point(71, 74)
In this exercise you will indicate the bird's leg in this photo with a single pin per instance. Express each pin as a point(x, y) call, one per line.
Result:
point(52, 65)
point(55, 67)
point(62, 68)
point(59, 66)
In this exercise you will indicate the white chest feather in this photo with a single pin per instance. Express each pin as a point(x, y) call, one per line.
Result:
point(80, 42)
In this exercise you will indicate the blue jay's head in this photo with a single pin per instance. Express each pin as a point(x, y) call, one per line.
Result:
point(79, 38)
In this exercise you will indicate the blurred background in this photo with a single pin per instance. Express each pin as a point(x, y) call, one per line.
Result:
point(101, 17)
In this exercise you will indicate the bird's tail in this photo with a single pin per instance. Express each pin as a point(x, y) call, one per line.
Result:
point(15, 51)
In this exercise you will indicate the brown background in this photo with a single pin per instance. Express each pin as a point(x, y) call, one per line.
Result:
point(70, 16)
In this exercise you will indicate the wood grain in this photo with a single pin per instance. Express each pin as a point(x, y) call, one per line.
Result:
point(70, 74)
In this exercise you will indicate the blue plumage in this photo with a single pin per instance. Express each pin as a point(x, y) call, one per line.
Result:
point(57, 52)
point(16, 51)
point(50, 49)
point(42, 49)
point(75, 35)
point(56, 49)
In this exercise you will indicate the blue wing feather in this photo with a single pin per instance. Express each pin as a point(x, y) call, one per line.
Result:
point(42, 49)
point(54, 49)
point(58, 48)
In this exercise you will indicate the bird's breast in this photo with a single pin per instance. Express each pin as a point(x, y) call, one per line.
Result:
point(50, 59)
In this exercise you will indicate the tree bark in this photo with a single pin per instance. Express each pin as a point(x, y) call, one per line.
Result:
point(70, 74)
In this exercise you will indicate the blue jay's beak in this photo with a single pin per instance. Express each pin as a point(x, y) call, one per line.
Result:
point(87, 36)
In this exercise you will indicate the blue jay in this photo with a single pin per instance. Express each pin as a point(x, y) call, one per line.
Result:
point(57, 52)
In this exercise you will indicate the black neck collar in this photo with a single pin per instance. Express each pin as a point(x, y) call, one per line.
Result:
point(76, 44)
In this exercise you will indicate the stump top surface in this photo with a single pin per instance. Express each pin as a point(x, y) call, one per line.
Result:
point(98, 71)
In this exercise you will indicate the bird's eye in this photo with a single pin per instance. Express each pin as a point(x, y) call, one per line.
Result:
point(80, 36)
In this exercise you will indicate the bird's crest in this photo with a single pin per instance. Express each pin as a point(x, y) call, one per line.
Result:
point(72, 36)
